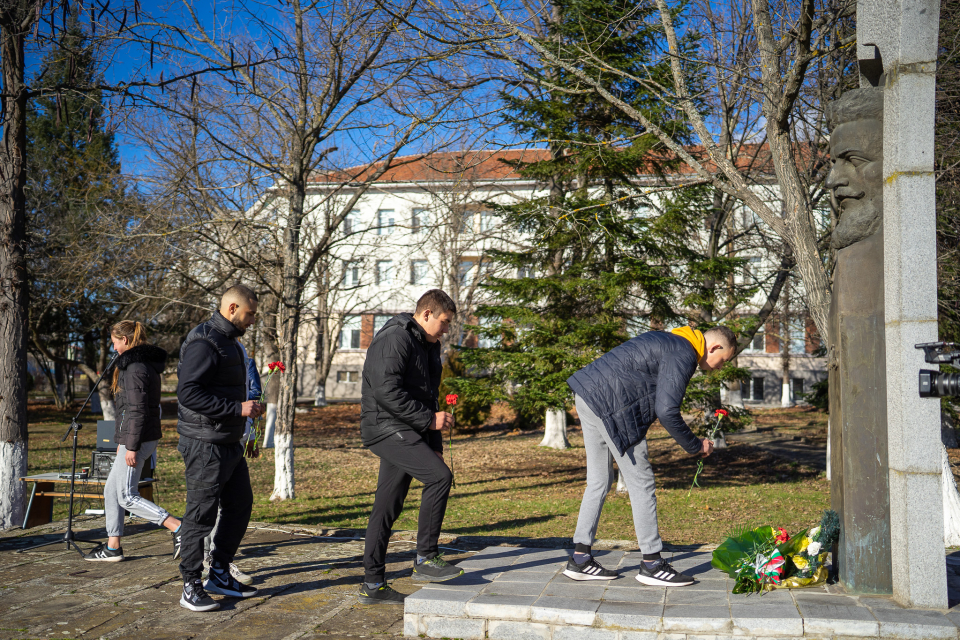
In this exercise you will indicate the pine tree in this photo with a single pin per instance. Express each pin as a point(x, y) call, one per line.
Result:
point(74, 186)
point(592, 265)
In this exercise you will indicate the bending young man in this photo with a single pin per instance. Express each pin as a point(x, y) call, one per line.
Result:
point(401, 422)
point(618, 396)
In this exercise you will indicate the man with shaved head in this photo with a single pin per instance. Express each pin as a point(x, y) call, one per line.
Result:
point(212, 414)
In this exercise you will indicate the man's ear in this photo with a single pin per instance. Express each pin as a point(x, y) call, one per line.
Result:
point(426, 315)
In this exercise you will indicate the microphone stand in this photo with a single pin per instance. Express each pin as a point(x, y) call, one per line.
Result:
point(74, 427)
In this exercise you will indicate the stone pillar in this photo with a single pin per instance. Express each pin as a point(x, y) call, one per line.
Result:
point(902, 36)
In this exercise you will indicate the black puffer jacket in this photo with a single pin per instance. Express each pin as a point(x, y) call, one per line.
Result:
point(401, 383)
point(212, 383)
point(138, 398)
point(643, 379)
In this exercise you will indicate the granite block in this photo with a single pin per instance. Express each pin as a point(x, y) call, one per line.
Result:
point(441, 627)
point(411, 627)
point(697, 619)
point(510, 630)
point(466, 582)
point(780, 596)
point(525, 576)
point(838, 620)
point(513, 589)
point(630, 616)
point(766, 619)
point(571, 589)
point(653, 595)
point(440, 602)
point(801, 596)
point(914, 624)
point(501, 607)
point(581, 633)
point(639, 635)
point(555, 610)
point(698, 597)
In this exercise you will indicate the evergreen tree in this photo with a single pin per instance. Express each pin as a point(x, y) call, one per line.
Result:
point(592, 265)
point(73, 193)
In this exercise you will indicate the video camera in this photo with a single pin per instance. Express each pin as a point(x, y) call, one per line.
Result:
point(934, 384)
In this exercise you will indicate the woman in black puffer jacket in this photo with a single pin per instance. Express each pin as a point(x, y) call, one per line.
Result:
point(136, 391)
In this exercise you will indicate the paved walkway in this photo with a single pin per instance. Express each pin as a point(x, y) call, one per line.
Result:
point(307, 589)
point(308, 581)
point(518, 593)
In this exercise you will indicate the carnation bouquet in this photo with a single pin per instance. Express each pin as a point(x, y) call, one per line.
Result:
point(766, 558)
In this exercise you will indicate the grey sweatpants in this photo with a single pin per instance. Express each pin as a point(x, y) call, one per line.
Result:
point(121, 493)
point(637, 473)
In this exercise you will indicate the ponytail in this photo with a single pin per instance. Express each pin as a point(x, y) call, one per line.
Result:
point(135, 333)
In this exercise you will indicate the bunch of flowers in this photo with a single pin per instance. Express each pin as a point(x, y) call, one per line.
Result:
point(766, 558)
point(752, 558)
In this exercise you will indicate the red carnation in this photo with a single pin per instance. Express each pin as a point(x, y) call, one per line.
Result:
point(452, 399)
point(276, 365)
point(782, 536)
point(721, 412)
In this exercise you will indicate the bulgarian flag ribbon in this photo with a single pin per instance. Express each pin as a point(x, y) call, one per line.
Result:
point(769, 568)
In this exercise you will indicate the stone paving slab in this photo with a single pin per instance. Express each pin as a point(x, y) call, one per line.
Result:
point(523, 594)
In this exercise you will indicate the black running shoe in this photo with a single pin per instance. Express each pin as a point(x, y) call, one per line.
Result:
point(589, 570)
point(662, 575)
point(176, 544)
point(195, 598)
point(220, 581)
point(436, 569)
point(103, 554)
point(384, 594)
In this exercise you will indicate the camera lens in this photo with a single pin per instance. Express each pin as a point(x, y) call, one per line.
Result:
point(948, 384)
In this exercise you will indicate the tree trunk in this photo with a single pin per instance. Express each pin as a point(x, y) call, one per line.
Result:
point(13, 269)
point(951, 502)
point(292, 293)
point(621, 485)
point(828, 449)
point(320, 371)
point(106, 395)
point(555, 431)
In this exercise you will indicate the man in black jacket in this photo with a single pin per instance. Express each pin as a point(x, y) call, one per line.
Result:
point(618, 396)
point(213, 410)
point(401, 422)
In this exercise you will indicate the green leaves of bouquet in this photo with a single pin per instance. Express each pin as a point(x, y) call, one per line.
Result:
point(766, 558)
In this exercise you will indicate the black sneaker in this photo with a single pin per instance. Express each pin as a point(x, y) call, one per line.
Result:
point(220, 581)
point(589, 570)
point(195, 598)
point(176, 544)
point(102, 554)
point(662, 575)
point(436, 569)
point(384, 594)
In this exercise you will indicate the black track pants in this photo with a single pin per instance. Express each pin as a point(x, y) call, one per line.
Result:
point(404, 456)
point(217, 478)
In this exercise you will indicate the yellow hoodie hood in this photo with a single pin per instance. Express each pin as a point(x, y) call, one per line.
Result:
point(695, 337)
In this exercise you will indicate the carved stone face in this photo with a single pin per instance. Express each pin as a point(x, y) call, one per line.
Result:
point(856, 180)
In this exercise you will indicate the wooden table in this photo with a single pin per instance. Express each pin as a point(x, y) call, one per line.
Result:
point(47, 486)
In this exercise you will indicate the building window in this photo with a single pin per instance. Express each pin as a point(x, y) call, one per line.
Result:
point(384, 272)
point(379, 321)
point(526, 272)
point(350, 222)
point(756, 345)
point(798, 336)
point(750, 270)
point(466, 272)
point(419, 221)
point(485, 342)
point(488, 221)
point(348, 376)
point(463, 221)
point(796, 387)
point(385, 222)
point(756, 389)
point(418, 271)
point(350, 334)
point(351, 273)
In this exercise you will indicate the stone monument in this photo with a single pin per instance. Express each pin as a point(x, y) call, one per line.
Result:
point(858, 409)
point(897, 49)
